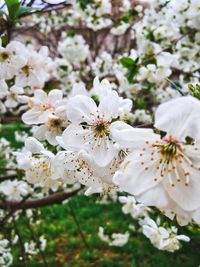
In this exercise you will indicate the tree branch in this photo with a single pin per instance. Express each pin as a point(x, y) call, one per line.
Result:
point(55, 198)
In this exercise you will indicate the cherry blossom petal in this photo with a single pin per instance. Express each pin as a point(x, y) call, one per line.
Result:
point(55, 95)
point(133, 177)
point(81, 108)
point(155, 196)
point(128, 136)
point(109, 106)
point(33, 145)
point(34, 116)
point(104, 153)
point(72, 138)
point(179, 117)
point(187, 197)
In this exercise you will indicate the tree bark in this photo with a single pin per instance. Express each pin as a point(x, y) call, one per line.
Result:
point(55, 198)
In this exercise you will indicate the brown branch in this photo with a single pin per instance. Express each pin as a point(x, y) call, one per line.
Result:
point(55, 198)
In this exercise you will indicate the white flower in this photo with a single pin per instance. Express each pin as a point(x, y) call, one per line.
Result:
point(31, 248)
point(13, 98)
point(39, 165)
point(11, 59)
point(103, 65)
point(126, 6)
point(104, 8)
point(51, 129)
point(36, 70)
point(161, 238)
point(6, 258)
point(141, 116)
point(91, 127)
point(15, 190)
point(136, 210)
point(164, 172)
point(101, 88)
point(3, 89)
point(43, 243)
point(116, 240)
point(20, 136)
point(153, 73)
point(42, 106)
point(120, 29)
point(74, 49)
point(54, 2)
point(80, 167)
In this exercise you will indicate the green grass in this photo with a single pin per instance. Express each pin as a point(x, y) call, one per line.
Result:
point(66, 248)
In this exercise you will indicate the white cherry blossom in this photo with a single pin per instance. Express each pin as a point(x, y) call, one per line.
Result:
point(35, 72)
point(39, 165)
point(12, 59)
point(42, 106)
point(164, 172)
point(130, 206)
point(161, 238)
point(91, 127)
point(15, 190)
point(80, 167)
point(13, 97)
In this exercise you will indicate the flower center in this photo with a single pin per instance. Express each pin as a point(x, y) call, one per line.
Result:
point(169, 149)
point(44, 107)
point(4, 56)
point(27, 70)
point(170, 160)
point(54, 123)
point(101, 128)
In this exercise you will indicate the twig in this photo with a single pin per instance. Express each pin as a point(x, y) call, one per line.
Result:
point(55, 198)
point(23, 252)
point(79, 228)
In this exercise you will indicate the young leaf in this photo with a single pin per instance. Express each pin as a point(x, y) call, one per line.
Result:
point(23, 10)
point(13, 6)
point(127, 62)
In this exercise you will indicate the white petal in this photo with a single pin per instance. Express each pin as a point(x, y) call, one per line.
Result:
point(17, 90)
point(11, 103)
point(33, 145)
point(133, 177)
point(179, 117)
point(72, 138)
point(40, 95)
point(40, 132)
point(109, 106)
point(81, 108)
point(55, 95)
point(187, 197)
point(103, 154)
point(128, 136)
point(3, 88)
point(155, 196)
point(35, 116)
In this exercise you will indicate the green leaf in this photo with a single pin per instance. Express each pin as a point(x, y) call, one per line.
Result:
point(141, 104)
point(4, 40)
point(127, 62)
point(23, 10)
point(131, 65)
point(13, 6)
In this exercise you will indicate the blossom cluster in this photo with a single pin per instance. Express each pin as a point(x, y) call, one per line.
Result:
point(22, 69)
point(111, 106)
